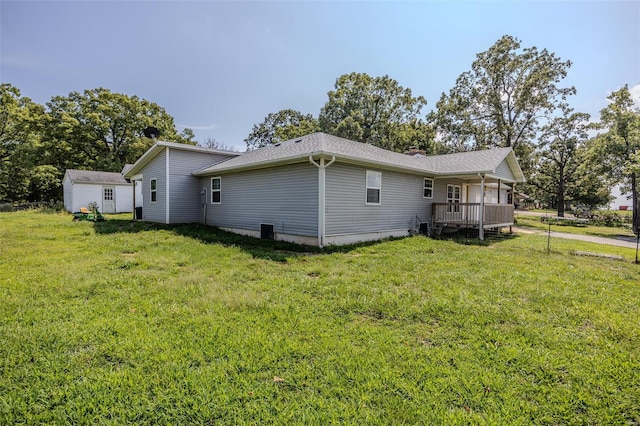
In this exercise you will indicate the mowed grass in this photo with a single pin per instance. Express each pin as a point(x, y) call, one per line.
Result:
point(593, 230)
point(117, 322)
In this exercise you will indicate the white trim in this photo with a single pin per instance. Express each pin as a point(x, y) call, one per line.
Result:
point(151, 191)
point(321, 196)
point(367, 236)
point(424, 180)
point(219, 190)
point(297, 239)
point(167, 192)
point(367, 187)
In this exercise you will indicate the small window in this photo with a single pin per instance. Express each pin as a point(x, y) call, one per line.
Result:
point(374, 187)
point(154, 190)
point(216, 190)
point(428, 188)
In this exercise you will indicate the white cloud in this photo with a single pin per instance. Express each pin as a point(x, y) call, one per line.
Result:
point(635, 95)
point(207, 127)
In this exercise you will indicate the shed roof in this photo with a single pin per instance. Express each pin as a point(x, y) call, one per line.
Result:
point(92, 176)
point(299, 149)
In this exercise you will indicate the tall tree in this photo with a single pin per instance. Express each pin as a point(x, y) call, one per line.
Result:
point(281, 126)
point(499, 102)
point(617, 149)
point(560, 140)
point(102, 130)
point(20, 128)
point(375, 110)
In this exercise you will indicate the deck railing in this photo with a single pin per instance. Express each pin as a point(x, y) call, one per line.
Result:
point(468, 214)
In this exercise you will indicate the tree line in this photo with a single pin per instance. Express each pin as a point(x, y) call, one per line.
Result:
point(512, 96)
point(93, 130)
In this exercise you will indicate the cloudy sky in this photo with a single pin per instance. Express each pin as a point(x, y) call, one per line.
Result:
point(220, 67)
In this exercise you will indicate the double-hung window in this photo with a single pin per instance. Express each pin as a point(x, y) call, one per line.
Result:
point(453, 197)
point(374, 187)
point(427, 191)
point(216, 190)
point(153, 184)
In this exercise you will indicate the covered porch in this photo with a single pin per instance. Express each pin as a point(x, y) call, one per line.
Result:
point(484, 203)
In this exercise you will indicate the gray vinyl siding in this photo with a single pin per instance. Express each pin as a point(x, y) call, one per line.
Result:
point(155, 212)
point(184, 189)
point(401, 201)
point(286, 197)
point(504, 171)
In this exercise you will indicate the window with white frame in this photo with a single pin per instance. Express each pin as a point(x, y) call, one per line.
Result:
point(427, 191)
point(453, 197)
point(374, 187)
point(153, 185)
point(216, 190)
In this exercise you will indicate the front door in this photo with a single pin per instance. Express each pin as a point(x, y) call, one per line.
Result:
point(108, 199)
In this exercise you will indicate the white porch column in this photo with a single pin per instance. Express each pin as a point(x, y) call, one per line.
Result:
point(481, 221)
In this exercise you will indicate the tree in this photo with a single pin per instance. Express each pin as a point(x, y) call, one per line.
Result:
point(616, 150)
point(281, 126)
point(560, 140)
point(499, 102)
point(102, 130)
point(376, 110)
point(20, 127)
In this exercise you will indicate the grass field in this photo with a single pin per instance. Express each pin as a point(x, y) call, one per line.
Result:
point(117, 322)
point(596, 231)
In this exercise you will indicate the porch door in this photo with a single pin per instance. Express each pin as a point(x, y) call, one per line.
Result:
point(108, 199)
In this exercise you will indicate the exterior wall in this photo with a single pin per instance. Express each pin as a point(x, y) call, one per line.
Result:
point(124, 198)
point(67, 194)
point(285, 197)
point(401, 201)
point(490, 194)
point(184, 189)
point(79, 195)
point(504, 171)
point(155, 212)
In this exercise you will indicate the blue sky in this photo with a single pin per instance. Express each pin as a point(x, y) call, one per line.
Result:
point(220, 67)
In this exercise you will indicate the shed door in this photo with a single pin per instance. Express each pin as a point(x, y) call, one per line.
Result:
point(108, 199)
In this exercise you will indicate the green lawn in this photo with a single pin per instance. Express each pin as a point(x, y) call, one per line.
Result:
point(115, 322)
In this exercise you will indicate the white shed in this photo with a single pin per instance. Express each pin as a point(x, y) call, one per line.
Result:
point(111, 191)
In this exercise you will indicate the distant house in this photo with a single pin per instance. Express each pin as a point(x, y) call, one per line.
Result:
point(321, 189)
point(620, 200)
point(109, 190)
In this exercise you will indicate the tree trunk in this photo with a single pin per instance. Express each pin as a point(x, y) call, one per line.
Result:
point(561, 194)
point(635, 202)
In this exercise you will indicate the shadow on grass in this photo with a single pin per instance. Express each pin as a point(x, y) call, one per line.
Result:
point(278, 251)
point(470, 237)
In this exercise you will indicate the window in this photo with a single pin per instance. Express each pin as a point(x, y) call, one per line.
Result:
point(428, 188)
point(154, 190)
point(453, 196)
point(216, 190)
point(374, 186)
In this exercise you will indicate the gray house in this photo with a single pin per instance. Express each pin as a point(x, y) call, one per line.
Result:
point(320, 189)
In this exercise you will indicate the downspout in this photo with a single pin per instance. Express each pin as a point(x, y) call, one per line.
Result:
point(167, 193)
point(481, 219)
point(321, 196)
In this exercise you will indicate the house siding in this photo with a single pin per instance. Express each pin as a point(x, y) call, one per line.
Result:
point(184, 189)
point(503, 171)
point(155, 212)
point(401, 201)
point(285, 197)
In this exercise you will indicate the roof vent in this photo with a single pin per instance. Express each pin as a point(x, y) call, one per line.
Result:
point(299, 140)
point(277, 144)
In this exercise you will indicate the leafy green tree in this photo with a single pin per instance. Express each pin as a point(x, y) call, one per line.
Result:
point(102, 130)
point(499, 102)
point(20, 129)
point(281, 126)
point(559, 141)
point(617, 149)
point(376, 110)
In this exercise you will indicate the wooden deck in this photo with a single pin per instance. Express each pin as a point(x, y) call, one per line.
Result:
point(467, 215)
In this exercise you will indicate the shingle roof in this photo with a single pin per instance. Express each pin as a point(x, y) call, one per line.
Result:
point(91, 176)
point(300, 149)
